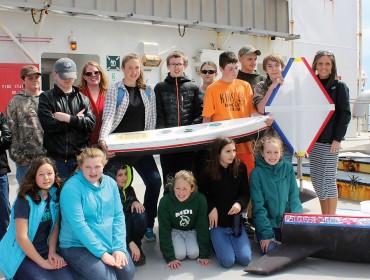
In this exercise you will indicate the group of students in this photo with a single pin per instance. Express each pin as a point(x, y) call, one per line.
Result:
point(100, 239)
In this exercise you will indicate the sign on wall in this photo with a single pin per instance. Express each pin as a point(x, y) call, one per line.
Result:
point(10, 82)
point(113, 63)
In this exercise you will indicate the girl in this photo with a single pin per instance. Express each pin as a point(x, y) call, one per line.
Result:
point(225, 185)
point(325, 152)
point(274, 191)
point(28, 249)
point(131, 106)
point(135, 215)
point(92, 236)
point(94, 84)
point(183, 225)
point(208, 72)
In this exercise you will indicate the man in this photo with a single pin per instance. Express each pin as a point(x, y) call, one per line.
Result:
point(247, 57)
point(21, 114)
point(66, 118)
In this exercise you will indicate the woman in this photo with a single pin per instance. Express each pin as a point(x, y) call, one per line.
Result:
point(93, 232)
point(325, 152)
point(208, 72)
point(130, 106)
point(225, 185)
point(94, 84)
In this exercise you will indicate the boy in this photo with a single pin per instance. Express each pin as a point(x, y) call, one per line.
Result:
point(273, 65)
point(247, 56)
point(5, 140)
point(179, 103)
point(66, 117)
point(230, 98)
point(135, 215)
point(21, 114)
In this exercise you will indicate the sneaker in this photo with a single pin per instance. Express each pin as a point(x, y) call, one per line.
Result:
point(150, 235)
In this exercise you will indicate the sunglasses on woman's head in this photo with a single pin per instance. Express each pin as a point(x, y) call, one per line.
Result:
point(92, 73)
point(207, 72)
point(323, 52)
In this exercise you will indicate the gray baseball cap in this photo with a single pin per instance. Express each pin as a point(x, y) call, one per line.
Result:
point(248, 49)
point(66, 68)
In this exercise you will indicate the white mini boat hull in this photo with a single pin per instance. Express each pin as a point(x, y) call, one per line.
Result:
point(185, 138)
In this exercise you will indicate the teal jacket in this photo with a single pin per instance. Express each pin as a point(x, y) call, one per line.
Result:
point(11, 254)
point(92, 217)
point(191, 214)
point(274, 191)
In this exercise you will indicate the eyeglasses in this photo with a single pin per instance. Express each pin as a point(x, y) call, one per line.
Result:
point(89, 74)
point(178, 65)
point(208, 72)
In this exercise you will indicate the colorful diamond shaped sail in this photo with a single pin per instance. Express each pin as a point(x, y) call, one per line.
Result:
point(301, 107)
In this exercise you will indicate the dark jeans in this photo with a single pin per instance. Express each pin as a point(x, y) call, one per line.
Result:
point(66, 168)
point(4, 204)
point(29, 270)
point(87, 266)
point(172, 163)
point(148, 171)
point(136, 224)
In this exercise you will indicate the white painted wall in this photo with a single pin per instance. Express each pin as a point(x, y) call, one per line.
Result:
point(322, 24)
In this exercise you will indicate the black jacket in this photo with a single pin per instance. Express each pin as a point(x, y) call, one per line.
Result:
point(336, 128)
point(178, 97)
point(63, 140)
point(5, 141)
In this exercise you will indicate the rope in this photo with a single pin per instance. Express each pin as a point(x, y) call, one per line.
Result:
point(181, 34)
point(34, 12)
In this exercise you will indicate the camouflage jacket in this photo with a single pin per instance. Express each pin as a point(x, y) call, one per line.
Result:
point(27, 140)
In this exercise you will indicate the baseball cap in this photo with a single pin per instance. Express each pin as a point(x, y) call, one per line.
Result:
point(248, 49)
point(29, 70)
point(66, 68)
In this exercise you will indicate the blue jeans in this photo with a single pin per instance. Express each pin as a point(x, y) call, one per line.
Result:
point(66, 168)
point(230, 249)
point(272, 245)
point(136, 224)
point(87, 266)
point(29, 270)
point(148, 171)
point(4, 205)
point(21, 172)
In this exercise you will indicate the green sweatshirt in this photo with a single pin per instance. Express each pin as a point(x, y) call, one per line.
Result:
point(191, 214)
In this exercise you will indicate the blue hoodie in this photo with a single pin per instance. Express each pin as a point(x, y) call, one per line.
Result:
point(11, 254)
point(92, 217)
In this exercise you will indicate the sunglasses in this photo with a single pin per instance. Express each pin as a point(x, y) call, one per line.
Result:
point(208, 72)
point(89, 74)
point(323, 52)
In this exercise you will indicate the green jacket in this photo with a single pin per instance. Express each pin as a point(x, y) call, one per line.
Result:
point(191, 214)
point(274, 191)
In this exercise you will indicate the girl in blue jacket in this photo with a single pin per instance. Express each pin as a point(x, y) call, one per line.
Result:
point(274, 191)
point(93, 231)
point(28, 249)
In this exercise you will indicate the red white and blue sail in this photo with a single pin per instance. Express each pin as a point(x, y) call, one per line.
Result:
point(301, 107)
